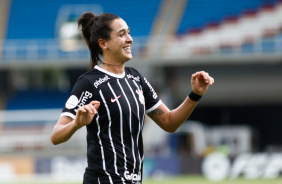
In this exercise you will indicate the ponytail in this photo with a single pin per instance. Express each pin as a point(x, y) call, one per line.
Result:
point(94, 27)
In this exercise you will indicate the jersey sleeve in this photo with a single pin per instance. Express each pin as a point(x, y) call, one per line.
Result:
point(152, 100)
point(80, 95)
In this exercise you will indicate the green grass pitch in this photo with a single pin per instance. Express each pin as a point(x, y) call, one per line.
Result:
point(174, 180)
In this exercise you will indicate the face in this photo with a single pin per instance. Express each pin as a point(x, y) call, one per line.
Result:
point(120, 43)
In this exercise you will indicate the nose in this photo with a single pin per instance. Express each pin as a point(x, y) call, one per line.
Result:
point(129, 38)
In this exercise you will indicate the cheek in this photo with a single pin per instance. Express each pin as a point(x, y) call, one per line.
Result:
point(115, 43)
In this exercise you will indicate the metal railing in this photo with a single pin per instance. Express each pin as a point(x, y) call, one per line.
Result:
point(26, 130)
point(48, 50)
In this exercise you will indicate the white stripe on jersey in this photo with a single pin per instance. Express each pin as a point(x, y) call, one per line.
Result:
point(102, 149)
point(110, 133)
point(140, 128)
point(143, 105)
point(68, 114)
point(133, 94)
point(130, 123)
point(154, 107)
point(121, 127)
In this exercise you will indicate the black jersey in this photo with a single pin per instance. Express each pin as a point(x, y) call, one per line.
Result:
point(114, 137)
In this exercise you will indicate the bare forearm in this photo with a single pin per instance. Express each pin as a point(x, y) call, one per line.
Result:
point(170, 121)
point(66, 126)
point(63, 132)
point(179, 115)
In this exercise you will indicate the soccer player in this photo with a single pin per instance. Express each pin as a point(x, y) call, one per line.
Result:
point(111, 100)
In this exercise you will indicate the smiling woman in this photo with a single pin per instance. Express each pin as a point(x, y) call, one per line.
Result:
point(117, 50)
point(111, 100)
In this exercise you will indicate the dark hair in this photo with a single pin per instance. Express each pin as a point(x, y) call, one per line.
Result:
point(93, 28)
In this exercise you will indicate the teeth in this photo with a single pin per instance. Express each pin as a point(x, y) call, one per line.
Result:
point(127, 48)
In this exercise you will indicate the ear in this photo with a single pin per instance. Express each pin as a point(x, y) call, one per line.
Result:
point(102, 43)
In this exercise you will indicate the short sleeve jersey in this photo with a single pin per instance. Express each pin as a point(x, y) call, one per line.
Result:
point(114, 137)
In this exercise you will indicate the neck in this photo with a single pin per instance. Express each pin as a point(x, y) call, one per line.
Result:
point(108, 64)
point(113, 68)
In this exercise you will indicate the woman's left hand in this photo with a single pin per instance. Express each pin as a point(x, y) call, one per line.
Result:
point(200, 81)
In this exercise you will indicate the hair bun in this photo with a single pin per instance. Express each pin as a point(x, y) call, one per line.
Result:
point(85, 21)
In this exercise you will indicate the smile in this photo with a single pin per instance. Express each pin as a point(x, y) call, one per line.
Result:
point(127, 48)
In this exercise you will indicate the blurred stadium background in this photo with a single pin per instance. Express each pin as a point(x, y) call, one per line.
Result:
point(235, 132)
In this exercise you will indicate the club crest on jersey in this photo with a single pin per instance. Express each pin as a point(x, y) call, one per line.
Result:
point(141, 96)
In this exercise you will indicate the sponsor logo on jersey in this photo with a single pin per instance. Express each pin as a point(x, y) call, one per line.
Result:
point(132, 177)
point(137, 78)
point(73, 101)
point(141, 96)
point(115, 99)
point(155, 96)
point(83, 99)
point(101, 81)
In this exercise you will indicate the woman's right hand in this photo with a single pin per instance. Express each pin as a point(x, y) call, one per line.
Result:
point(86, 113)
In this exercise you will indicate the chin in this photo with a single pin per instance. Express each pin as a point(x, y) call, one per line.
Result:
point(128, 58)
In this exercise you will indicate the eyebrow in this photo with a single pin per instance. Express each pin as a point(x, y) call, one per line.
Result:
point(122, 30)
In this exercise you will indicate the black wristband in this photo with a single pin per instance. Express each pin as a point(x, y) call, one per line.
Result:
point(193, 96)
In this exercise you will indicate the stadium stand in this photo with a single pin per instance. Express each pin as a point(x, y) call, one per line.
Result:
point(229, 26)
point(22, 15)
point(38, 31)
point(38, 36)
point(185, 27)
point(200, 13)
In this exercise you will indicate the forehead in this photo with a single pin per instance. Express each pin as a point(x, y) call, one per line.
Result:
point(119, 24)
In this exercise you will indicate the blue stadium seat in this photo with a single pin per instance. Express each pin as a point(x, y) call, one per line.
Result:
point(268, 44)
point(248, 48)
point(37, 19)
point(199, 13)
point(36, 99)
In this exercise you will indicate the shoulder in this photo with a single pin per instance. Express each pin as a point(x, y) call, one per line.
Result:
point(132, 72)
point(92, 75)
point(89, 77)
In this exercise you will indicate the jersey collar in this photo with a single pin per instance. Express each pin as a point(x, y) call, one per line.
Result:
point(109, 73)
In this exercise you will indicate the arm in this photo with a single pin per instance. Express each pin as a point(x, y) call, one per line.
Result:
point(66, 126)
point(169, 120)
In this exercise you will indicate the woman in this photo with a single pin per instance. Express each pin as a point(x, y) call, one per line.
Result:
point(111, 101)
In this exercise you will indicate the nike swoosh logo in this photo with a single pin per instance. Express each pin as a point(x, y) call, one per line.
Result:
point(115, 99)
